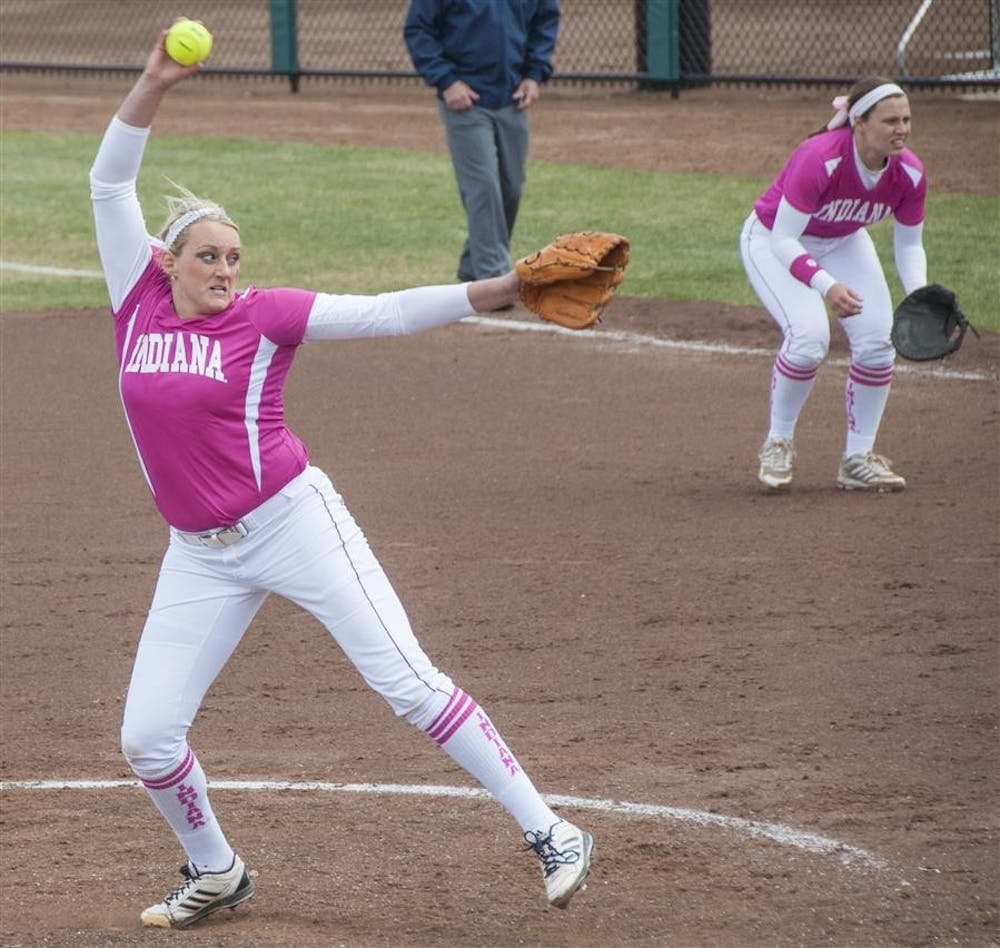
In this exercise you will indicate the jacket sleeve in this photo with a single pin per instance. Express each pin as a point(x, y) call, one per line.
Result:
point(422, 34)
point(542, 32)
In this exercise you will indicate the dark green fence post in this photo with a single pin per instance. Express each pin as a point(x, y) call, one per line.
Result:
point(284, 41)
point(694, 28)
point(657, 44)
point(994, 35)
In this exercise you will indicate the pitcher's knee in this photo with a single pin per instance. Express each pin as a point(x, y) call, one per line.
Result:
point(150, 753)
point(423, 705)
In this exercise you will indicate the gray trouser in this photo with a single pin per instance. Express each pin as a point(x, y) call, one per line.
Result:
point(488, 148)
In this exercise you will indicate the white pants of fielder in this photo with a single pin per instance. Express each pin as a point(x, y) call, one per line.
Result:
point(801, 315)
point(304, 545)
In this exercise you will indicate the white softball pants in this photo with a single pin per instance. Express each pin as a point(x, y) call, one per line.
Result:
point(800, 311)
point(306, 547)
point(311, 552)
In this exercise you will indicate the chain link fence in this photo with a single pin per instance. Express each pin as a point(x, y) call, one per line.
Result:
point(649, 43)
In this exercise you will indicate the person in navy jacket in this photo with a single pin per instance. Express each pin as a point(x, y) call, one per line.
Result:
point(487, 59)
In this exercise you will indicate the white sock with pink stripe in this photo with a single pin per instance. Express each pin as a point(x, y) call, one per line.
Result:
point(865, 397)
point(467, 735)
point(790, 387)
point(182, 797)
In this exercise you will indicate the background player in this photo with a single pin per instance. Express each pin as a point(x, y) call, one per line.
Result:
point(202, 367)
point(805, 243)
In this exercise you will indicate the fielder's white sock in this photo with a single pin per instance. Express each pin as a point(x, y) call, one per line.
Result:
point(865, 397)
point(464, 731)
point(790, 387)
point(182, 797)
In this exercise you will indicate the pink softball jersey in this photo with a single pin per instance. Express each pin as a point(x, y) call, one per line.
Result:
point(223, 447)
point(821, 179)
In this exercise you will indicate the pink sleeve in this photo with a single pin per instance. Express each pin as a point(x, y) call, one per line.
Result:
point(910, 210)
point(280, 314)
point(805, 179)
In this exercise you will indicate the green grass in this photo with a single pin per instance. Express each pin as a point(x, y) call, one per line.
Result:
point(359, 220)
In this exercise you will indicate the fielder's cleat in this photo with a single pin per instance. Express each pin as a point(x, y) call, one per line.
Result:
point(776, 457)
point(200, 895)
point(868, 471)
point(564, 852)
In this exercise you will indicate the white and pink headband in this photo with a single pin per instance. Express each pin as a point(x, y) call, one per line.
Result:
point(844, 114)
point(186, 220)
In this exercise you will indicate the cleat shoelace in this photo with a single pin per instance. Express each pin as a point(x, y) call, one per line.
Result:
point(873, 467)
point(879, 464)
point(776, 454)
point(178, 894)
point(551, 857)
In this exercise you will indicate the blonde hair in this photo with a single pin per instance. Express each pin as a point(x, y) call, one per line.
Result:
point(183, 209)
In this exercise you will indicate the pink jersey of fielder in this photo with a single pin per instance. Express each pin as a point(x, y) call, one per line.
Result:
point(203, 398)
point(821, 179)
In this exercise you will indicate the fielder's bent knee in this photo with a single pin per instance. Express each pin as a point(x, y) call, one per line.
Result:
point(806, 352)
point(874, 355)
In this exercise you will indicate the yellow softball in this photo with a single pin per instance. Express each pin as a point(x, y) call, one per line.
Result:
point(188, 42)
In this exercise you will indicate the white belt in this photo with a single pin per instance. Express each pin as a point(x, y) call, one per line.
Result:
point(227, 536)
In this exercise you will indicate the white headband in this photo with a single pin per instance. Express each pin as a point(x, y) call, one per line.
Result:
point(186, 220)
point(871, 99)
point(842, 115)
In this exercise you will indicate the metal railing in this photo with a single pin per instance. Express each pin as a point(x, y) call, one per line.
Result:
point(990, 54)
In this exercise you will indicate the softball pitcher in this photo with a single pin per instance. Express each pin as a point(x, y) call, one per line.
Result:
point(805, 247)
point(202, 366)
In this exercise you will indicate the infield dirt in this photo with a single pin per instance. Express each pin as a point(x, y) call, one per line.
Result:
point(575, 526)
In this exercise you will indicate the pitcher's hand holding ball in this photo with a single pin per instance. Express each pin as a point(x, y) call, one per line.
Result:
point(188, 42)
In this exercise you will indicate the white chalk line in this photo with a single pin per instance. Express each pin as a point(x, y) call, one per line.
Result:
point(849, 856)
point(638, 339)
point(50, 271)
point(599, 336)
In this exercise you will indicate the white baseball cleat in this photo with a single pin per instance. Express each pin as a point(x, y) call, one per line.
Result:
point(776, 457)
point(200, 895)
point(564, 851)
point(867, 471)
